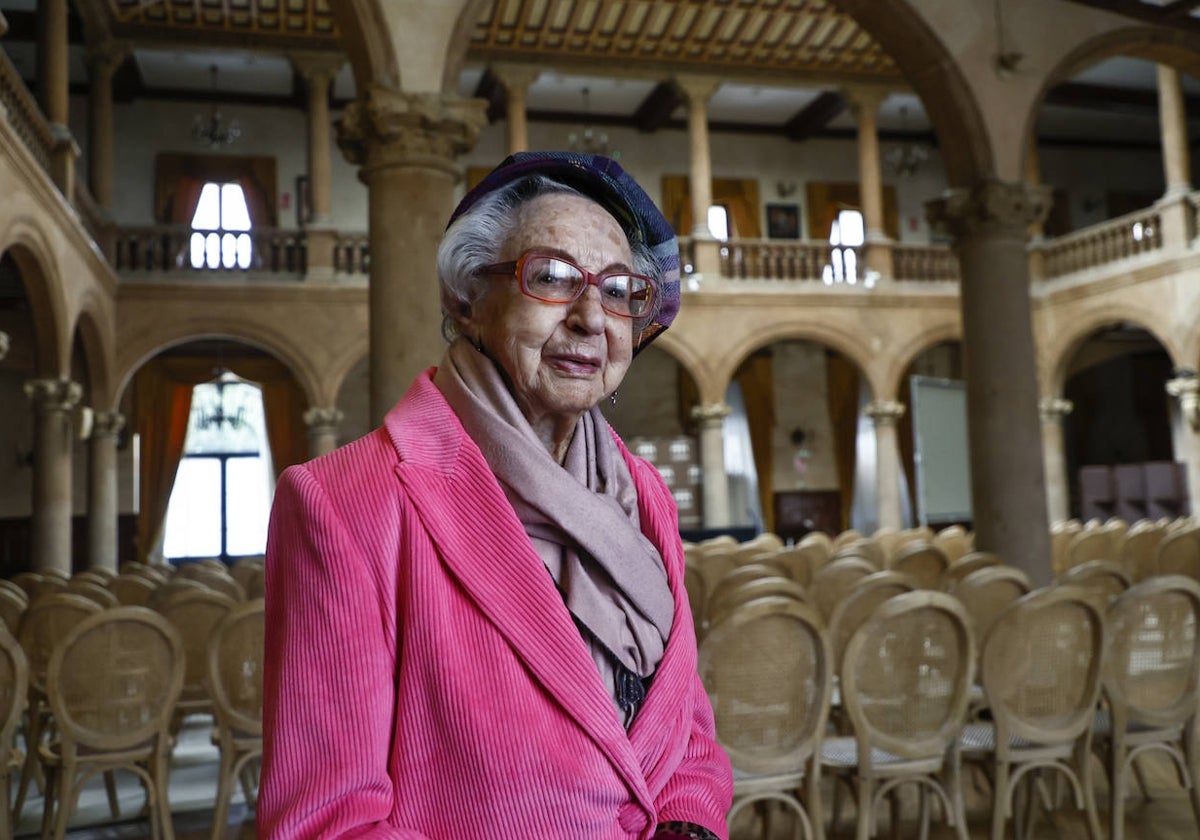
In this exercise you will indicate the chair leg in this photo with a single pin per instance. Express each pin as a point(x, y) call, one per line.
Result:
point(110, 788)
point(1000, 796)
point(1140, 775)
point(813, 799)
point(225, 783)
point(1083, 759)
point(1116, 812)
point(32, 768)
point(162, 790)
point(864, 792)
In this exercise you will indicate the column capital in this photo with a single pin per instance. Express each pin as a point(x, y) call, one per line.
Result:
point(710, 412)
point(696, 88)
point(53, 394)
point(1185, 387)
point(107, 424)
point(993, 206)
point(4, 344)
point(321, 418)
point(386, 128)
point(514, 76)
point(1054, 409)
point(105, 56)
point(316, 66)
point(864, 98)
point(885, 412)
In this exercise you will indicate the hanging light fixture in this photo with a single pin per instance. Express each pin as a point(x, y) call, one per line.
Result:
point(212, 130)
point(590, 140)
point(905, 159)
point(226, 408)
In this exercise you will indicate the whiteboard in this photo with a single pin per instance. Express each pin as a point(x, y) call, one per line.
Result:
point(940, 450)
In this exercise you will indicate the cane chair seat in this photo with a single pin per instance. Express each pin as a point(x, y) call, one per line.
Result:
point(833, 581)
point(767, 671)
point(1040, 669)
point(923, 562)
point(1152, 684)
point(14, 687)
point(905, 683)
point(235, 677)
point(112, 683)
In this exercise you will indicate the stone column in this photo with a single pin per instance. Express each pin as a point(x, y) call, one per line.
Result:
point(322, 429)
point(989, 224)
point(53, 91)
point(516, 79)
point(1058, 501)
point(711, 420)
point(318, 71)
point(1175, 211)
point(406, 146)
point(103, 60)
point(53, 400)
point(103, 509)
point(1033, 177)
point(885, 413)
point(1185, 388)
point(696, 91)
point(865, 106)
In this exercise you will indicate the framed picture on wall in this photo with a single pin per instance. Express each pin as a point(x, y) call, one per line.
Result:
point(783, 221)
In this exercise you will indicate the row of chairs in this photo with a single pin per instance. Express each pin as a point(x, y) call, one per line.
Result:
point(1143, 548)
point(194, 614)
point(905, 685)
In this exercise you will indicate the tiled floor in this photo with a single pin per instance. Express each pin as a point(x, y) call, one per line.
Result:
point(1168, 816)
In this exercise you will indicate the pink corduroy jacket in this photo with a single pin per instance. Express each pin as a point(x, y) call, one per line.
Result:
point(423, 677)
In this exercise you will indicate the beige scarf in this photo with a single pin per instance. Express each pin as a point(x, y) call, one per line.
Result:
point(582, 518)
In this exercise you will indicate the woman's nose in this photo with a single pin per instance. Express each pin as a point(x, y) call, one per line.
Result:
point(586, 314)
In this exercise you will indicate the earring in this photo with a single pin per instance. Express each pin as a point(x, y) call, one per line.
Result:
point(612, 398)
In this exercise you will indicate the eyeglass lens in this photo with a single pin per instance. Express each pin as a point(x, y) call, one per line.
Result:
point(559, 281)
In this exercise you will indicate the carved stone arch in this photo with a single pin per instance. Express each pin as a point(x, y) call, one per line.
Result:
point(690, 359)
point(907, 353)
point(1067, 342)
point(952, 108)
point(286, 348)
point(460, 42)
point(94, 326)
point(368, 45)
point(336, 372)
point(848, 344)
point(41, 280)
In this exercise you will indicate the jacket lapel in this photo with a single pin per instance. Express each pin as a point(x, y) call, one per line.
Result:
point(485, 548)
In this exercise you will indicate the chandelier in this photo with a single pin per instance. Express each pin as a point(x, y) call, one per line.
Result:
point(226, 408)
point(905, 159)
point(590, 140)
point(211, 130)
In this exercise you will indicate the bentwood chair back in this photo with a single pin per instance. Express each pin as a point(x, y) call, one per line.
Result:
point(235, 678)
point(820, 542)
point(1152, 684)
point(1104, 578)
point(833, 581)
point(866, 548)
point(13, 603)
point(968, 563)
point(987, 592)
point(864, 597)
point(112, 683)
point(905, 683)
point(195, 614)
point(1089, 544)
point(96, 574)
point(767, 671)
point(954, 541)
point(88, 588)
point(133, 589)
point(1041, 666)
point(29, 582)
point(1137, 552)
point(14, 685)
point(923, 562)
point(845, 537)
point(1179, 554)
point(730, 599)
point(1061, 534)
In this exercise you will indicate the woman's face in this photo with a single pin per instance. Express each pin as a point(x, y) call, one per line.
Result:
point(561, 359)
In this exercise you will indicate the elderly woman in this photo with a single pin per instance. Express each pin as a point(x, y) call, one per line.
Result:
point(477, 621)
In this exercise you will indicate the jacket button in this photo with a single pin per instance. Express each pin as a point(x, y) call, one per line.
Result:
point(630, 818)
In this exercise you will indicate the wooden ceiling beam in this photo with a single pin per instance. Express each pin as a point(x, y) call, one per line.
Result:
point(815, 116)
point(655, 110)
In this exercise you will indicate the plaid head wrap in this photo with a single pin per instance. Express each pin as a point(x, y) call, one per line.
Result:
point(605, 182)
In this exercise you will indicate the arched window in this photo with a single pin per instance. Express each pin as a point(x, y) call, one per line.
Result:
point(222, 493)
point(219, 228)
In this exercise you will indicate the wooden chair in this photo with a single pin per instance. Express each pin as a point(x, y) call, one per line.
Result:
point(1089, 544)
point(833, 581)
point(46, 622)
point(1103, 578)
point(867, 549)
point(1179, 554)
point(1041, 677)
point(195, 613)
point(987, 592)
point(968, 563)
point(923, 562)
point(848, 536)
point(767, 671)
point(905, 682)
point(693, 582)
point(800, 562)
point(244, 568)
point(28, 581)
point(864, 597)
point(235, 677)
point(820, 542)
point(112, 683)
point(731, 599)
point(1137, 552)
point(1061, 534)
point(1151, 680)
point(88, 588)
point(954, 542)
point(95, 574)
point(14, 687)
point(133, 589)
point(13, 603)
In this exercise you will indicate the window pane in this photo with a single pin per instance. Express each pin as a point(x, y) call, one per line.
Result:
point(235, 215)
point(851, 224)
point(193, 527)
point(718, 222)
point(197, 244)
point(247, 505)
point(212, 247)
point(228, 250)
point(243, 251)
point(208, 209)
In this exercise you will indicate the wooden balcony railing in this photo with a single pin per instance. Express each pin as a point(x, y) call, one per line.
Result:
point(1126, 236)
point(918, 263)
point(24, 114)
point(760, 259)
point(167, 248)
point(351, 254)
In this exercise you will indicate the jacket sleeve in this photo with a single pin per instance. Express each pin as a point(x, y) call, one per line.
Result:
point(329, 676)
